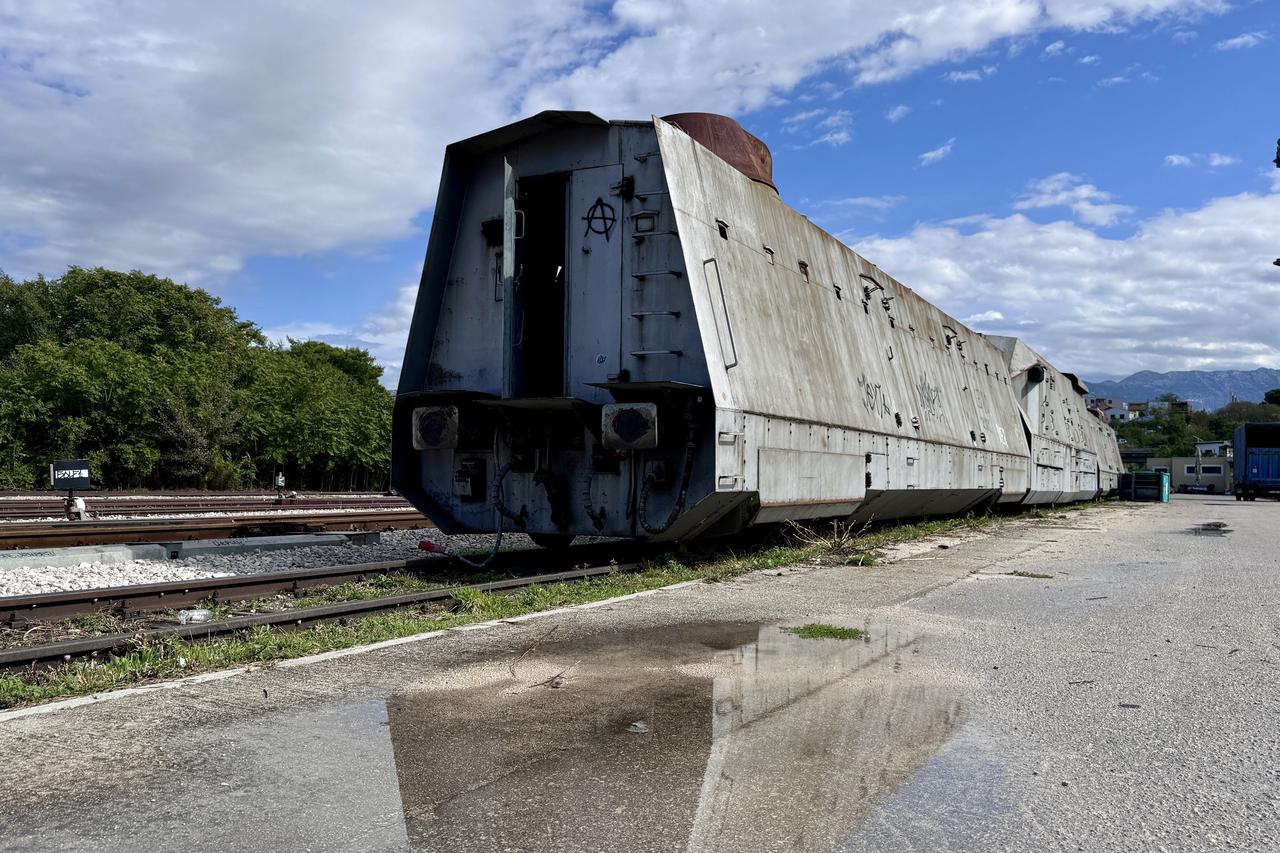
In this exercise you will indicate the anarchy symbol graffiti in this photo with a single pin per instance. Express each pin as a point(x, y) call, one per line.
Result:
point(600, 219)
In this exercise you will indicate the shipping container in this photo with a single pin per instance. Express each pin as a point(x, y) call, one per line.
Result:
point(1257, 460)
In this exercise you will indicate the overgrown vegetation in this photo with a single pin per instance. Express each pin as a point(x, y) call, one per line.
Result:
point(171, 657)
point(823, 631)
point(161, 386)
point(1174, 433)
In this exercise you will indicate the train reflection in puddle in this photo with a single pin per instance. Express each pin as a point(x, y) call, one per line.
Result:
point(707, 737)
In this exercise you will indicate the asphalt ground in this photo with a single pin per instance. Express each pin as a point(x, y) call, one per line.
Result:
point(1128, 702)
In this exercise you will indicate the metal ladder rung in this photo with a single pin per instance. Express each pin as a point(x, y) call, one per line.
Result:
point(640, 315)
point(647, 273)
point(646, 352)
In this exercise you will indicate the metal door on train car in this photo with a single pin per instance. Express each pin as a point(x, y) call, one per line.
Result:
point(535, 243)
point(594, 322)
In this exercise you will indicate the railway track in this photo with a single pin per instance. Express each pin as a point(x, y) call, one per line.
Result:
point(106, 507)
point(62, 534)
point(22, 611)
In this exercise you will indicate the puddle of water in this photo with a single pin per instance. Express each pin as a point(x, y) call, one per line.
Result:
point(749, 739)
point(702, 737)
point(1210, 528)
point(962, 791)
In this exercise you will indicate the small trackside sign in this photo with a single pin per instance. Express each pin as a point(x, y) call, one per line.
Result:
point(69, 474)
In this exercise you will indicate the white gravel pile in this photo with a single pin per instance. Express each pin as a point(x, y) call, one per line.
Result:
point(394, 545)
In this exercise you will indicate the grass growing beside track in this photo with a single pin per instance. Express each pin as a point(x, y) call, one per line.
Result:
point(174, 658)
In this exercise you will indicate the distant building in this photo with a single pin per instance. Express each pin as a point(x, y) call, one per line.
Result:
point(1215, 448)
point(1167, 406)
point(1111, 408)
point(1137, 411)
point(1135, 458)
point(1194, 473)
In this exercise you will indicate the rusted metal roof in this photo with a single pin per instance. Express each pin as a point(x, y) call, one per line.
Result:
point(725, 138)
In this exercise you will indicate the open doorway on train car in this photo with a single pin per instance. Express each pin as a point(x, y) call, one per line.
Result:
point(540, 299)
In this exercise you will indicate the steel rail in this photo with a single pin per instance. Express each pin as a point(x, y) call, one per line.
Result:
point(136, 599)
point(45, 507)
point(30, 656)
point(61, 534)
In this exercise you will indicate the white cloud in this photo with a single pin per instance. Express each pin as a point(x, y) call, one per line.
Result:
point(971, 75)
point(1213, 160)
point(185, 138)
point(833, 138)
point(984, 317)
point(837, 127)
point(794, 121)
point(1108, 82)
point(1055, 48)
point(1242, 41)
point(898, 113)
point(1184, 36)
point(834, 127)
point(928, 158)
point(382, 332)
point(304, 331)
point(1091, 59)
point(1090, 204)
point(1099, 305)
point(872, 202)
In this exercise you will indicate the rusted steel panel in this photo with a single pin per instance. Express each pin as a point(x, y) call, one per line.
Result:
point(730, 142)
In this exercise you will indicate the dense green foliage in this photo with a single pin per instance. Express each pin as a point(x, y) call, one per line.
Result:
point(161, 386)
point(1172, 433)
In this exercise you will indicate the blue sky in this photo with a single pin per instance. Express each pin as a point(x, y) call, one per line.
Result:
point(1091, 175)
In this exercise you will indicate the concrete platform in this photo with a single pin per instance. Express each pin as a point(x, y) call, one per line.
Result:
point(1126, 702)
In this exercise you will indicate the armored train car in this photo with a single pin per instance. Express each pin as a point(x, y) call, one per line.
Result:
point(622, 330)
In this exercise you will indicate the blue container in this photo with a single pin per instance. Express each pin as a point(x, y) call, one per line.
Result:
point(1257, 460)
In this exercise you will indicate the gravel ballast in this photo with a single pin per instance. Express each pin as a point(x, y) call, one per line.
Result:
point(394, 545)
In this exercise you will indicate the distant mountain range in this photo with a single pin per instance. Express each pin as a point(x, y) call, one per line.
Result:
point(1203, 389)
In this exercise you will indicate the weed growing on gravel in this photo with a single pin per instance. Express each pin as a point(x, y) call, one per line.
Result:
point(823, 631)
point(1022, 573)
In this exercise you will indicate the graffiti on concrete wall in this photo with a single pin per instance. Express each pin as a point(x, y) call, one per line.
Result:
point(874, 397)
point(930, 399)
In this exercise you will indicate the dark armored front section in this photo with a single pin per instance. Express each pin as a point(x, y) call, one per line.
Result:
point(622, 330)
point(554, 380)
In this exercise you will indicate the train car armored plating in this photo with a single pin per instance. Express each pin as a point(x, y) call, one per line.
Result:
point(622, 330)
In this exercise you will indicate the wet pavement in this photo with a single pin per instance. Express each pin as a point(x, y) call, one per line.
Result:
point(1129, 701)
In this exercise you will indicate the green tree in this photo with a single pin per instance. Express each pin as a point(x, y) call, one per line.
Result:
point(1272, 397)
point(161, 385)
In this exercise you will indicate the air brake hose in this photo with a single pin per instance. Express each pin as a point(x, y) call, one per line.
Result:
point(500, 505)
point(597, 518)
point(684, 483)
